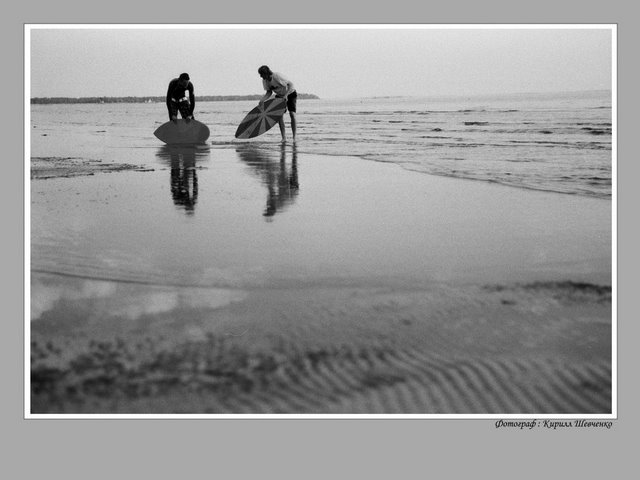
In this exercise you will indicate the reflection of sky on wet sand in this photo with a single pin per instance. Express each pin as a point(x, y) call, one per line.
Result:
point(329, 218)
point(104, 299)
point(45, 294)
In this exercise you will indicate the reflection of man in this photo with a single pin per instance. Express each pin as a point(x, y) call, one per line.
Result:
point(184, 182)
point(181, 161)
point(281, 182)
point(282, 185)
point(180, 98)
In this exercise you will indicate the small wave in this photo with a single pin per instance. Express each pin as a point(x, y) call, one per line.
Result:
point(595, 179)
point(597, 131)
point(219, 143)
point(549, 143)
point(471, 145)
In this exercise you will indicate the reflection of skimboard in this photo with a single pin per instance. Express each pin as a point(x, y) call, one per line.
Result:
point(182, 132)
point(261, 119)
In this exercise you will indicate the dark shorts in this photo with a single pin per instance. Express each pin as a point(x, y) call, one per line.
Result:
point(291, 101)
point(183, 107)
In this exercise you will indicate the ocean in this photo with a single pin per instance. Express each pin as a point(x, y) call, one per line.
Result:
point(550, 142)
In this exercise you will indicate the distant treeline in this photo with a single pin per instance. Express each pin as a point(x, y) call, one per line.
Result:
point(199, 98)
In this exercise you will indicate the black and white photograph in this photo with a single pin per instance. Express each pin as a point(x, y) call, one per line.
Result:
point(325, 221)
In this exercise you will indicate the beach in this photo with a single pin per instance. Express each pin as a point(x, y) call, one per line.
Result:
point(254, 278)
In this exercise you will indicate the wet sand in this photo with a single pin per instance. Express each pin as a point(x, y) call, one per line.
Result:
point(285, 283)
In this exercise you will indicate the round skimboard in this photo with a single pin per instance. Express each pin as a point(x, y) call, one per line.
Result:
point(182, 132)
point(262, 118)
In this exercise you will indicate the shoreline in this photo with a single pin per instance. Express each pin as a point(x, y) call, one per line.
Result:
point(43, 168)
point(458, 331)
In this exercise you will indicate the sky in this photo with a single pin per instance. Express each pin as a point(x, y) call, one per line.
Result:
point(329, 61)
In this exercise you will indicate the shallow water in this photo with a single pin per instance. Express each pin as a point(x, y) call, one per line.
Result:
point(551, 142)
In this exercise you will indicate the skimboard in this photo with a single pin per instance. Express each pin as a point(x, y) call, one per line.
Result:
point(262, 118)
point(182, 132)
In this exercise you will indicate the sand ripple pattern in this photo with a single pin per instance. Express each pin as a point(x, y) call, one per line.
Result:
point(542, 348)
point(343, 380)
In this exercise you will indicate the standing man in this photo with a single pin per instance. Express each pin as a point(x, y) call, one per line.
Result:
point(274, 82)
point(180, 98)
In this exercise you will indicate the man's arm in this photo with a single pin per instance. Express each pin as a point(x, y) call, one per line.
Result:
point(290, 88)
point(192, 98)
point(268, 93)
point(266, 96)
point(169, 98)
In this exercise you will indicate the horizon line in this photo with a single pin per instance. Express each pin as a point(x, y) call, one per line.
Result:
point(250, 96)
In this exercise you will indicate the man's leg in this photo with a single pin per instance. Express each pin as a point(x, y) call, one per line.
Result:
point(293, 124)
point(174, 112)
point(185, 110)
point(282, 132)
point(292, 100)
